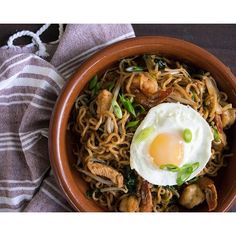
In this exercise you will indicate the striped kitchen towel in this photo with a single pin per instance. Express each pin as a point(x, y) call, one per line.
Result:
point(29, 86)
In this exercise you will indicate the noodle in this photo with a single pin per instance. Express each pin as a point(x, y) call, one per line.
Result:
point(105, 139)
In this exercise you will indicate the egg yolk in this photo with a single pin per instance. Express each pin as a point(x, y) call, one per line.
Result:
point(167, 149)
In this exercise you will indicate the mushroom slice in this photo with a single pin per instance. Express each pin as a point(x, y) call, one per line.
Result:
point(146, 198)
point(208, 187)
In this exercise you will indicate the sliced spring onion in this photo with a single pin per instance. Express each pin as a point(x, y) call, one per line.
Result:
point(170, 167)
point(93, 82)
point(110, 85)
point(117, 110)
point(187, 135)
point(134, 69)
point(127, 104)
point(185, 172)
point(195, 166)
point(132, 124)
point(95, 89)
point(183, 175)
point(216, 135)
point(143, 134)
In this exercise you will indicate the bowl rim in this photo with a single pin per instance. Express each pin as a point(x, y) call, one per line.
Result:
point(55, 130)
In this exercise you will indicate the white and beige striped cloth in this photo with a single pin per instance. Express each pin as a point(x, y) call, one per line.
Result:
point(29, 86)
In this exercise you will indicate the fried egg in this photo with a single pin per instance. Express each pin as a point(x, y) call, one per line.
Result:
point(164, 144)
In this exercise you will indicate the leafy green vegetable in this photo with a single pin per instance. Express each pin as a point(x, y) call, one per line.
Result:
point(216, 135)
point(116, 108)
point(161, 63)
point(94, 85)
point(130, 179)
point(143, 134)
point(170, 167)
point(90, 192)
point(134, 69)
point(127, 104)
point(93, 82)
point(132, 124)
point(187, 135)
point(194, 71)
point(139, 109)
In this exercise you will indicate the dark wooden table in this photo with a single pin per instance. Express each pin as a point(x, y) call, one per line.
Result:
point(219, 39)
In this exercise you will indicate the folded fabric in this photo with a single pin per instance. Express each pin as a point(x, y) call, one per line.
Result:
point(29, 86)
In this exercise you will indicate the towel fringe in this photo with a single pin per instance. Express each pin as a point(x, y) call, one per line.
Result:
point(42, 52)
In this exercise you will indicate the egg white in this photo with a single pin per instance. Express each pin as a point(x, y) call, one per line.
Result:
point(171, 118)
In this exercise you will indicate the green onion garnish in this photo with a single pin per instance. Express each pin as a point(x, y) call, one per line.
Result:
point(170, 167)
point(187, 135)
point(94, 85)
point(134, 69)
point(143, 134)
point(195, 166)
point(185, 172)
point(127, 104)
point(93, 82)
point(216, 135)
point(117, 110)
point(95, 89)
point(132, 124)
point(110, 85)
point(183, 175)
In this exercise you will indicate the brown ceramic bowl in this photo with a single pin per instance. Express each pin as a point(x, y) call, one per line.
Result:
point(61, 156)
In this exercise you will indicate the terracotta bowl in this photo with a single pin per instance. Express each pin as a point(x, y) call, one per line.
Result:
point(60, 148)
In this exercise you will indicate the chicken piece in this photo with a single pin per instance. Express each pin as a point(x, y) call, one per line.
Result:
point(146, 204)
point(208, 187)
point(191, 196)
point(145, 84)
point(106, 171)
point(104, 99)
point(129, 204)
point(228, 118)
